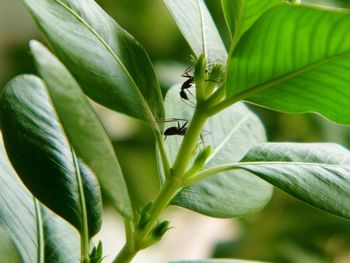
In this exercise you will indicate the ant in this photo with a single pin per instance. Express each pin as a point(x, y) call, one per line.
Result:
point(179, 130)
point(176, 130)
point(187, 84)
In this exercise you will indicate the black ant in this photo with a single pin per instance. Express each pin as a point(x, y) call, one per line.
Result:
point(187, 84)
point(179, 130)
point(176, 130)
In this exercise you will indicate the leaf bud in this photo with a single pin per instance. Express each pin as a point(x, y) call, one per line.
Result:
point(96, 253)
point(202, 157)
point(145, 215)
point(160, 229)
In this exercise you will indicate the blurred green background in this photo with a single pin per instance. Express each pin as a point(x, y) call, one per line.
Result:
point(287, 230)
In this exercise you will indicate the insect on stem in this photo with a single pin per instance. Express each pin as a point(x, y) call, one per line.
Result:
point(176, 130)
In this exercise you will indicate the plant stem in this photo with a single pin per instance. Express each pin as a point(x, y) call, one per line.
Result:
point(174, 182)
point(40, 231)
point(167, 193)
point(209, 172)
point(165, 161)
point(125, 255)
point(84, 231)
point(218, 95)
point(189, 142)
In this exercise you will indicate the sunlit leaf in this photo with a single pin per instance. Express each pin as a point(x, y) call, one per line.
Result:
point(295, 59)
point(242, 14)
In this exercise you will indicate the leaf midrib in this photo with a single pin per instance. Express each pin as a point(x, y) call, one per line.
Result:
point(105, 44)
point(271, 83)
point(244, 165)
point(285, 163)
point(281, 163)
point(229, 135)
point(204, 39)
point(240, 22)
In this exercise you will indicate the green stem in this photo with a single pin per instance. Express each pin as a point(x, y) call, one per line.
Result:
point(216, 96)
point(174, 182)
point(129, 233)
point(209, 172)
point(40, 232)
point(163, 155)
point(189, 142)
point(167, 193)
point(232, 100)
point(125, 255)
point(84, 231)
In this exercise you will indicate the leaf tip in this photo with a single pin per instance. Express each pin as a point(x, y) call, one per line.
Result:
point(34, 45)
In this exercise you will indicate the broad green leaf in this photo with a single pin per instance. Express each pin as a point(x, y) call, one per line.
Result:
point(62, 242)
point(217, 261)
point(19, 220)
point(40, 153)
point(82, 127)
point(242, 14)
point(109, 64)
point(196, 24)
point(295, 59)
point(318, 174)
point(8, 250)
point(231, 133)
point(17, 211)
point(328, 3)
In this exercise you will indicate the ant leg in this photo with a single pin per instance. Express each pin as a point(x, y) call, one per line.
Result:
point(178, 125)
point(201, 143)
point(191, 93)
point(183, 126)
point(186, 73)
point(171, 120)
point(205, 133)
point(201, 139)
point(189, 103)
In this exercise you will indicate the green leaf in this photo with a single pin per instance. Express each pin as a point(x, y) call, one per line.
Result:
point(17, 212)
point(334, 4)
point(231, 133)
point(242, 14)
point(19, 219)
point(8, 250)
point(86, 135)
point(318, 174)
point(40, 153)
point(198, 28)
point(62, 243)
point(295, 59)
point(109, 64)
point(216, 261)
